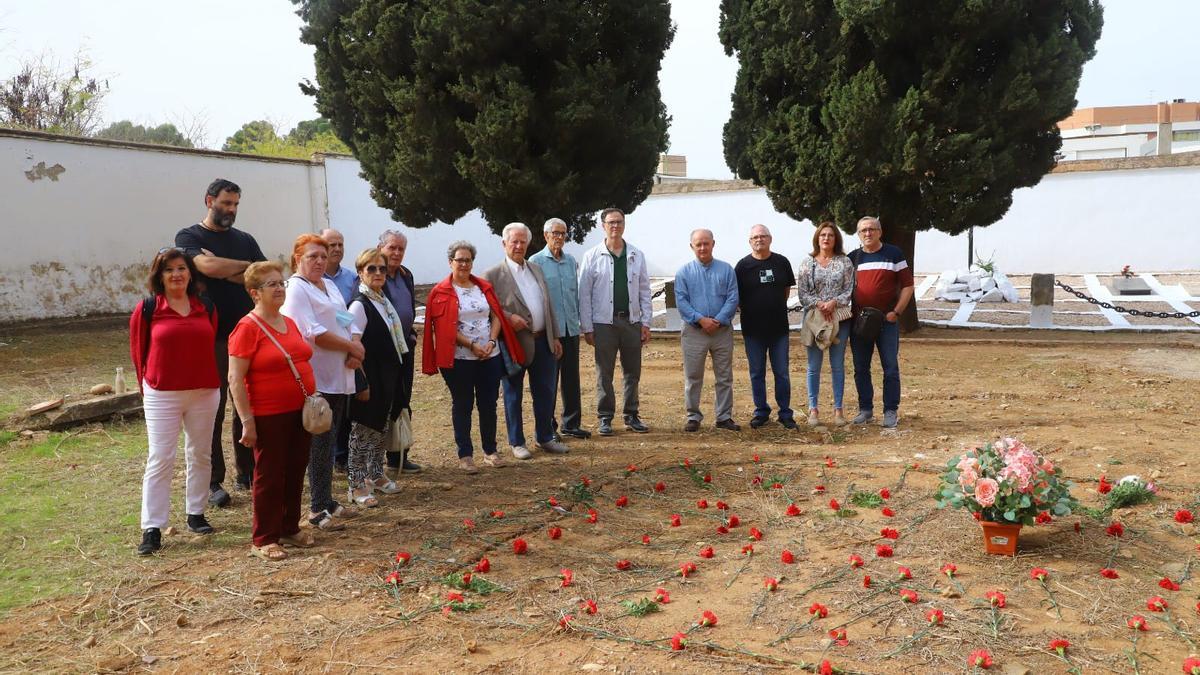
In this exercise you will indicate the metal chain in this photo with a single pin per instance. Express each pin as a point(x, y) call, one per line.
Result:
point(1126, 310)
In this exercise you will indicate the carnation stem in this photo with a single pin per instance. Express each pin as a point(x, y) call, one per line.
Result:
point(1170, 621)
point(1050, 594)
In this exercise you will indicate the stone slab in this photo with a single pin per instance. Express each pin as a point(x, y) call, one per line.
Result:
point(1131, 286)
point(83, 411)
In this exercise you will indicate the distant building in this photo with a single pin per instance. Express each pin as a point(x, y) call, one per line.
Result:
point(1131, 131)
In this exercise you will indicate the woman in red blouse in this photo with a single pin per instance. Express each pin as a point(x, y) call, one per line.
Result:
point(171, 338)
point(269, 401)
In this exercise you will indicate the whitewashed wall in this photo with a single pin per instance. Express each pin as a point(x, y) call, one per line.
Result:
point(81, 243)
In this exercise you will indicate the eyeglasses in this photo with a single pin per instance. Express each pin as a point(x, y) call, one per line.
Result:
point(376, 269)
point(462, 261)
point(273, 284)
point(760, 236)
point(614, 222)
point(870, 229)
point(556, 233)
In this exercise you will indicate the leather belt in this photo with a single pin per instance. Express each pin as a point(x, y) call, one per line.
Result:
point(620, 315)
point(539, 334)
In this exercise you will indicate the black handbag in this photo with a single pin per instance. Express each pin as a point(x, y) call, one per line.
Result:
point(868, 323)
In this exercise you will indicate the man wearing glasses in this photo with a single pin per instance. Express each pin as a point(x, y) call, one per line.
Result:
point(561, 273)
point(400, 289)
point(614, 315)
point(765, 280)
point(221, 253)
point(883, 280)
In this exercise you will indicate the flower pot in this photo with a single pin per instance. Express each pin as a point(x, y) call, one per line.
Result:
point(1000, 538)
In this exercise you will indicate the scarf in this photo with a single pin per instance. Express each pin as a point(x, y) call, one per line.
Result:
point(397, 329)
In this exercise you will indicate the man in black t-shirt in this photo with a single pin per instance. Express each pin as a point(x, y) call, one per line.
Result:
point(764, 282)
point(221, 254)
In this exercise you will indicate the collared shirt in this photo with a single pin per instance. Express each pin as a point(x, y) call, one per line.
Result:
point(706, 290)
point(345, 280)
point(402, 300)
point(531, 293)
point(562, 280)
point(596, 287)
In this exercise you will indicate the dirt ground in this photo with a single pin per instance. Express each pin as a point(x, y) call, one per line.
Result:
point(1111, 404)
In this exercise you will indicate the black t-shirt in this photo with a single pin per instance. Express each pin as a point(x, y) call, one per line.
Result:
point(231, 299)
point(763, 288)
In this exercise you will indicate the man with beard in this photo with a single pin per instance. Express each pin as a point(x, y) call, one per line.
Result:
point(401, 291)
point(221, 254)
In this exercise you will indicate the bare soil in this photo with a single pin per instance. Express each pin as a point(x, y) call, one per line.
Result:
point(1111, 404)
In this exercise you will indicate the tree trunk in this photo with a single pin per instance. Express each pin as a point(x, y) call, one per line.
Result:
point(907, 241)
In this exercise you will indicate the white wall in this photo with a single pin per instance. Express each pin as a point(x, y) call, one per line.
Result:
point(81, 244)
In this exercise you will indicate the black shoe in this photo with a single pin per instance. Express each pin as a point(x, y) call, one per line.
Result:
point(756, 422)
point(692, 426)
point(242, 484)
point(217, 496)
point(199, 524)
point(407, 466)
point(634, 424)
point(788, 423)
point(151, 541)
point(729, 425)
point(577, 433)
point(605, 428)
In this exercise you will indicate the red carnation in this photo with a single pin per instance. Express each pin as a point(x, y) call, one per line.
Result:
point(887, 511)
point(776, 486)
point(949, 569)
point(466, 577)
point(1169, 585)
point(702, 503)
point(935, 616)
point(554, 532)
point(455, 596)
point(818, 610)
point(708, 618)
point(838, 635)
point(883, 551)
point(996, 599)
point(1184, 516)
point(889, 533)
point(733, 520)
point(565, 622)
point(567, 577)
point(1104, 487)
point(825, 668)
point(885, 493)
point(1156, 604)
point(829, 462)
point(661, 596)
point(1039, 574)
point(833, 504)
point(755, 459)
point(676, 521)
point(980, 658)
point(622, 502)
point(483, 566)
point(593, 516)
point(553, 501)
point(624, 564)
point(497, 514)
point(402, 558)
point(588, 606)
point(756, 534)
point(721, 529)
point(1114, 529)
point(1109, 573)
point(786, 557)
point(519, 546)
point(856, 560)
point(904, 572)
point(1043, 518)
point(748, 549)
point(793, 510)
point(585, 480)
point(1137, 622)
point(678, 641)
point(1060, 645)
point(771, 583)
point(468, 524)
point(866, 581)
point(1191, 665)
point(687, 568)
point(908, 595)
point(393, 577)
point(708, 478)
point(660, 486)
point(630, 468)
point(722, 505)
point(645, 540)
point(818, 489)
point(706, 552)
point(757, 480)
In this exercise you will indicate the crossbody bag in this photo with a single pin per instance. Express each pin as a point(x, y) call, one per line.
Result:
point(316, 416)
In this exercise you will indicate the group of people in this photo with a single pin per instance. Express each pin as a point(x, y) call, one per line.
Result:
point(222, 322)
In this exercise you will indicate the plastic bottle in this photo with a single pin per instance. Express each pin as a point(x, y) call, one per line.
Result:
point(119, 385)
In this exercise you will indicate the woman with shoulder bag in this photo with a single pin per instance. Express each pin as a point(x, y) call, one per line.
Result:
point(171, 340)
point(378, 325)
point(270, 379)
point(825, 283)
point(463, 326)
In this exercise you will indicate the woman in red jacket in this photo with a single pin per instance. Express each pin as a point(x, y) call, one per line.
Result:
point(463, 322)
point(171, 341)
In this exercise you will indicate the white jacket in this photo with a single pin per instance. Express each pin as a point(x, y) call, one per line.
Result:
point(596, 287)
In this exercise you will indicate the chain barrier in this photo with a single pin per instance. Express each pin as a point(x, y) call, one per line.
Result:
point(1126, 310)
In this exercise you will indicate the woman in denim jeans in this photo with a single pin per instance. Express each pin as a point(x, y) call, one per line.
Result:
point(825, 282)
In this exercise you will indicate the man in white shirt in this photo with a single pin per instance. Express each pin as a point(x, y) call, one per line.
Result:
point(522, 292)
point(614, 316)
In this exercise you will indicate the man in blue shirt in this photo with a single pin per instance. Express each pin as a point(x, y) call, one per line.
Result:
point(400, 290)
point(706, 294)
point(345, 279)
point(561, 273)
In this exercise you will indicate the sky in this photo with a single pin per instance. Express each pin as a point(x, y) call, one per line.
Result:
point(222, 63)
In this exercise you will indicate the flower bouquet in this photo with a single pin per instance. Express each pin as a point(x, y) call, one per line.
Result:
point(1005, 485)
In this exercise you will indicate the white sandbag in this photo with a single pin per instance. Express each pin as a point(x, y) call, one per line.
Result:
point(987, 284)
point(974, 284)
point(994, 295)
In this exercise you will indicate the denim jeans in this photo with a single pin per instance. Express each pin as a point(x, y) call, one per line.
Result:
point(837, 368)
point(543, 384)
point(888, 343)
point(474, 384)
point(757, 351)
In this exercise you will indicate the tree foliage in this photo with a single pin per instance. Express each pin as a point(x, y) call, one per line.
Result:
point(928, 114)
point(43, 97)
point(524, 109)
point(163, 134)
point(309, 137)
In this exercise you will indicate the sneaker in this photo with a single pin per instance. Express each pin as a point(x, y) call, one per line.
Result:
point(863, 417)
point(199, 524)
point(889, 419)
point(605, 428)
point(813, 418)
point(217, 496)
point(788, 423)
point(756, 422)
point(494, 460)
point(729, 425)
point(467, 464)
point(409, 467)
point(692, 426)
point(577, 433)
point(838, 419)
point(151, 541)
point(634, 424)
point(242, 484)
point(521, 452)
point(554, 447)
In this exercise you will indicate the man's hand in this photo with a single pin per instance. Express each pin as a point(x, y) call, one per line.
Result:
point(517, 322)
point(645, 334)
point(891, 317)
point(357, 351)
point(556, 348)
point(709, 325)
point(588, 338)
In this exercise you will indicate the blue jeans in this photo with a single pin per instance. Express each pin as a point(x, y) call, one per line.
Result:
point(477, 384)
point(888, 344)
point(543, 385)
point(837, 368)
point(757, 351)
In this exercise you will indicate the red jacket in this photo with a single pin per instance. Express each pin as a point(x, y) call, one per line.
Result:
point(441, 326)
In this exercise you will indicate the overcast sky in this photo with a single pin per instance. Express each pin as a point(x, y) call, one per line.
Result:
point(227, 62)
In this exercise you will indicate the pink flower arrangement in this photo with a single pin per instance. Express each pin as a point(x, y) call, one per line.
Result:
point(1006, 482)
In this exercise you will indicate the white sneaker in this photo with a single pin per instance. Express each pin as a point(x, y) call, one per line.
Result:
point(521, 452)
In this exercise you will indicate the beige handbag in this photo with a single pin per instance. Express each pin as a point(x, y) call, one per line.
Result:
point(316, 415)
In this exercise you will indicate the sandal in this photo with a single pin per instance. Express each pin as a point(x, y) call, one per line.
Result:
point(367, 501)
point(272, 552)
point(324, 521)
point(299, 540)
point(388, 488)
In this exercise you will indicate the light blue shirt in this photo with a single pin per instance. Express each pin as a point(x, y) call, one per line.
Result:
point(706, 290)
point(346, 282)
point(562, 280)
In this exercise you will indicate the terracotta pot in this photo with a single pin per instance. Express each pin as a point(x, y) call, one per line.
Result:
point(1000, 538)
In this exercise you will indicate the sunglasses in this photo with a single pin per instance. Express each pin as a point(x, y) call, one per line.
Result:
point(376, 269)
point(169, 248)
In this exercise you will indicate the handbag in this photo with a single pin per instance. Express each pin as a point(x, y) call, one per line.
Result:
point(404, 432)
point(316, 415)
point(868, 323)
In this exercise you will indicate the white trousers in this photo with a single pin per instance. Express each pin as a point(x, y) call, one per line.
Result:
point(167, 412)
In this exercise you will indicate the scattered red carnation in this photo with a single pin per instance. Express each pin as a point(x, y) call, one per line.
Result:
point(519, 546)
point(402, 558)
point(825, 668)
point(755, 459)
point(722, 505)
point(793, 510)
point(1104, 487)
point(883, 551)
point(1191, 665)
point(885, 493)
point(678, 642)
point(1184, 516)
point(721, 529)
point(1156, 604)
point(1115, 529)
point(748, 549)
point(818, 610)
point(756, 534)
point(706, 552)
point(949, 569)
point(1060, 645)
point(497, 514)
point(565, 622)
point(554, 532)
point(553, 501)
point(593, 516)
point(908, 595)
point(866, 581)
point(833, 504)
point(889, 533)
point(829, 462)
point(455, 596)
point(996, 599)
point(980, 658)
point(1109, 573)
point(702, 504)
point(856, 560)
point(887, 512)
point(483, 566)
point(660, 486)
point(1167, 584)
point(757, 480)
point(786, 557)
point(622, 502)
point(935, 616)
point(661, 596)
point(904, 572)
point(588, 606)
point(1043, 518)
point(393, 578)
point(567, 577)
point(587, 482)
point(1137, 622)
point(468, 523)
point(708, 478)
point(838, 635)
point(1039, 574)
point(818, 489)
point(624, 564)
point(707, 618)
point(771, 583)
point(645, 540)
point(676, 521)
point(733, 520)
point(687, 568)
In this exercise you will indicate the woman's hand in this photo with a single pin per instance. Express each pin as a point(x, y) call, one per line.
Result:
point(249, 433)
point(481, 351)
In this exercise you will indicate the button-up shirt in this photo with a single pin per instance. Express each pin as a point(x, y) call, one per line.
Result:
point(345, 280)
point(531, 293)
point(706, 290)
point(562, 281)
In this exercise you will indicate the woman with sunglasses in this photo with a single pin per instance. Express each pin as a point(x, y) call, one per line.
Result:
point(172, 336)
point(377, 323)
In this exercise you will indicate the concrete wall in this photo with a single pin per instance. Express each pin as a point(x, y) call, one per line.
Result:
point(82, 220)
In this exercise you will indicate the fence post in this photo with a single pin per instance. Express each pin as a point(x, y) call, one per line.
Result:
point(1041, 297)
